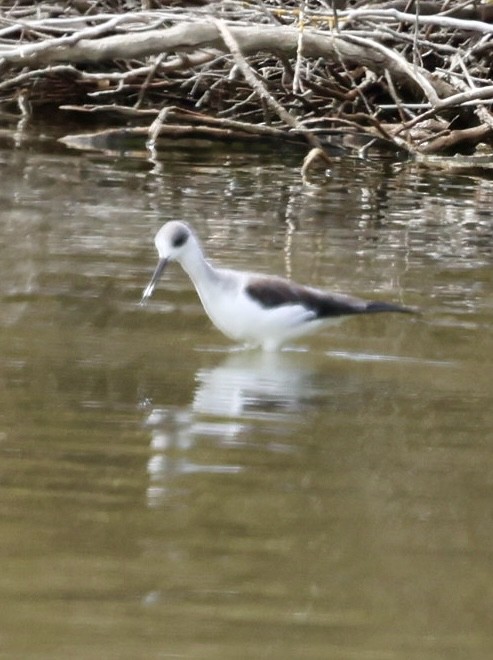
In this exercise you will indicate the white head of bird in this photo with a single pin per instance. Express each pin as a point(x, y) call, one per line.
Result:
point(173, 242)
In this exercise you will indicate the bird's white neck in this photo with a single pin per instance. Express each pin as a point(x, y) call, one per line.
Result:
point(200, 271)
point(215, 288)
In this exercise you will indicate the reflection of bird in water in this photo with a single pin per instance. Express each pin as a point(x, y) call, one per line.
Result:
point(258, 310)
point(229, 400)
point(256, 386)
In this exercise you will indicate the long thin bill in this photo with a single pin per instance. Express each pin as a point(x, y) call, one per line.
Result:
point(154, 279)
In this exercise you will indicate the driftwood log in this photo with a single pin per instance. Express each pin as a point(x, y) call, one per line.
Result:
point(406, 75)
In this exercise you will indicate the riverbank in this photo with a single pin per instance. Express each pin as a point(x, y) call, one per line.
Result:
point(405, 76)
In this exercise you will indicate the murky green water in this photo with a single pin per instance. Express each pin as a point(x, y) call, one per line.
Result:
point(164, 497)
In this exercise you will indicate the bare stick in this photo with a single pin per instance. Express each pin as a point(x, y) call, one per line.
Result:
point(401, 63)
point(403, 17)
point(297, 68)
point(260, 89)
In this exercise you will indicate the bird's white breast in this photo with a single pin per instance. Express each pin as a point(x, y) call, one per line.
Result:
point(240, 317)
point(227, 306)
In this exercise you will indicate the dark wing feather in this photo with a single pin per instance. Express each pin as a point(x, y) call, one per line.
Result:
point(272, 292)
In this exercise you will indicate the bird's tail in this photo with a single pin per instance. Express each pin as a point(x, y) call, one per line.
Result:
point(377, 306)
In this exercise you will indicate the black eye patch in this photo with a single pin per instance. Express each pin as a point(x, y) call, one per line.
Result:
point(180, 238)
